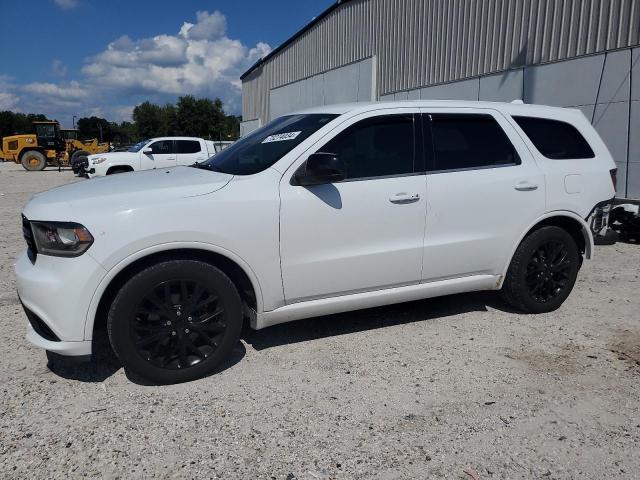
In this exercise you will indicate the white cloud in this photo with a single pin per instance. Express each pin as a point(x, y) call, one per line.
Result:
point(57, 68)
point(200, 60)
point(208, 26)
point(8, 99)
point(70, 91)
point(67, 4)
point(124, 112)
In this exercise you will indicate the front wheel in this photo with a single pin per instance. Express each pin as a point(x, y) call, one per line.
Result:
point(175, 321)
point(543, 271)
point(79, 155)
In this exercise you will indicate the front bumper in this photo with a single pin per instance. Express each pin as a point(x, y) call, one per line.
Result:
point(68, 349)
point(57, 292)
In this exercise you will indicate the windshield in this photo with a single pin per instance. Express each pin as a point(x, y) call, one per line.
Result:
point(138, 146)
point(46, 131)
point(264, 147)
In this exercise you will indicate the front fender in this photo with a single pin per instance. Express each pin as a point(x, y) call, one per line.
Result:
point(165, 247)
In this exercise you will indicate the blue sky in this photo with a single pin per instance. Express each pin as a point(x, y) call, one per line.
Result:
point(84, 57)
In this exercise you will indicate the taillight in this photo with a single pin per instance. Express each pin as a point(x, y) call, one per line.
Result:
point(614, 177)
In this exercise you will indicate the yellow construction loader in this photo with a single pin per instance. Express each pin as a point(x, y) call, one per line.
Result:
point(48, 146)
point(36, 150)
point(77, 149)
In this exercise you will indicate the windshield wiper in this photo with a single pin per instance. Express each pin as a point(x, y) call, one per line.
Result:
point(203, 166)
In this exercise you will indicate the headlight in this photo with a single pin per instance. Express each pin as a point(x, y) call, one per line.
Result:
point(61, 239)
point(98, 160)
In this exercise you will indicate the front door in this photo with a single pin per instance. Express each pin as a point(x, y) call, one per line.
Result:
point(163, 155)
point(484, 188)
point(363, 233)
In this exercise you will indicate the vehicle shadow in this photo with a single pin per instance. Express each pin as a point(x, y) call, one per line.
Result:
point(373, 318)
point(104, 364)
point(237, 354)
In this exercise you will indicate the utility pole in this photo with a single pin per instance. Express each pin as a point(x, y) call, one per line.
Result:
point(74, 121)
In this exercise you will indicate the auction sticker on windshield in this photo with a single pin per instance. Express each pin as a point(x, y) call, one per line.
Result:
point(281, 137)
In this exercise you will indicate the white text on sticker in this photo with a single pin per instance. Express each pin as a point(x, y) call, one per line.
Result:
point(281, 137)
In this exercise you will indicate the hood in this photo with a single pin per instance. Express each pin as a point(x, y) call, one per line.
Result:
point(123, 191)
point(113, 155)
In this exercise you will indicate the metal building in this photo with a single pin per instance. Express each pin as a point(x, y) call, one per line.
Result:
point(571, 53)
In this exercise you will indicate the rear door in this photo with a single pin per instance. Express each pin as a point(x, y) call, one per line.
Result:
point(484, 189)
point(163, 155)
point(191, 151)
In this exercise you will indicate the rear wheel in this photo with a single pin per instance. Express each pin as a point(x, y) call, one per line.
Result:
point(33, 161)
point(543, 271)
point(175, 321)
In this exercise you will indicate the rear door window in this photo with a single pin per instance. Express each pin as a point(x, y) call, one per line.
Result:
point(468, 141)
point(188, 146)
point(555, 139)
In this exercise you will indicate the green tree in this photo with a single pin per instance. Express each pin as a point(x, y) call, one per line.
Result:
point(124, 133)
point(95, 127)
point(149, 119)
point(12, 123)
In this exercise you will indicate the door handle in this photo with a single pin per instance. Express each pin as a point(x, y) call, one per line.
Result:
point(525, 186)
point(402, 198)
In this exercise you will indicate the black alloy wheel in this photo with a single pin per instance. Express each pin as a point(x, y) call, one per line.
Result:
point(548, 271)
point(543, 270)
point(175, 321)
point(178, 324)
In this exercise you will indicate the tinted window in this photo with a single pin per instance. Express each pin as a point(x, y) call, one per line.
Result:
point(188, 146)
point(46, 131)
point(162, 146)
point(265, 146)
point(554, 139)
point(376, 147)
point(138, 146)
point(463, 141)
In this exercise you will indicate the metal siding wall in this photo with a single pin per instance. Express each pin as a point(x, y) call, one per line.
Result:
point(418, 43)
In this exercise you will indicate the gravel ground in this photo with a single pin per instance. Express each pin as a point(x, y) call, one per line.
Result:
point(426, 389)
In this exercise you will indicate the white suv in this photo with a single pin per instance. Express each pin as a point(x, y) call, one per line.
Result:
point(160, 152)
point(327, 210)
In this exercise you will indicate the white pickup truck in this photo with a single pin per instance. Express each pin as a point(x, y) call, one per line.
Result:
point(161, 152)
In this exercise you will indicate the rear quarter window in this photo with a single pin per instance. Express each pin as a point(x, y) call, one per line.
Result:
point(555, 139)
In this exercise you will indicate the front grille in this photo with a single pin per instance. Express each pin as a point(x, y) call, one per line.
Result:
point(39, 326)
point(27, 232)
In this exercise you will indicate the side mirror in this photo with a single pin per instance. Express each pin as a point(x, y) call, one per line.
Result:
point(320, 168)
point(147, 151)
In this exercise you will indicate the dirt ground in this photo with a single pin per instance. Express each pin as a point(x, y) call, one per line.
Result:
point(426, 389)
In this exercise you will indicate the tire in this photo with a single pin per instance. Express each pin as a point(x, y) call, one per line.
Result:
point(543, 271)
point(159, 334)
point(33, 161)
point(77, 155)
